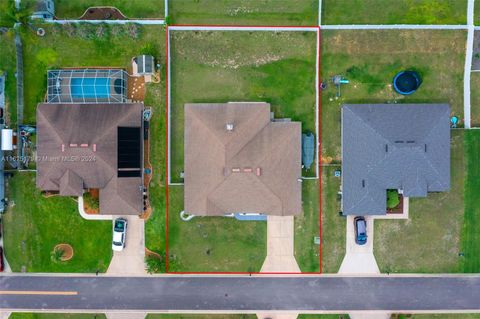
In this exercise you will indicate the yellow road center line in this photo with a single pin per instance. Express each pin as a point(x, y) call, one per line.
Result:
point(27, 292)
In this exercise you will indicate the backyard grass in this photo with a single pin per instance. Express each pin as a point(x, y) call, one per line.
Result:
point(276, 67)
point(8, 65)
point(213, 244)
point(244, 12)
point(394, 12)
point(209, 316)
point(307, 227)
point(33, 225)
point(430, 240)
point(334, 225)
point(73, 9)
point(471, 225)
point(370, 60)
point(69, 46)
point(20, 315)
point(475, 99)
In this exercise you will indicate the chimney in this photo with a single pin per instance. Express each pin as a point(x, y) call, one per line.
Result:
point(229, 127)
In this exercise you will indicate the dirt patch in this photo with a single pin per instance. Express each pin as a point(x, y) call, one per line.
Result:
point(103, 13)
point(66, 251)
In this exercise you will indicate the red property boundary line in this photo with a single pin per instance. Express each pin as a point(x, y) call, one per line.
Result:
point(319, 146)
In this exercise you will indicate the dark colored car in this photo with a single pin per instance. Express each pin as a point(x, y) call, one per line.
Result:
point(360, 230)
point(1, 260)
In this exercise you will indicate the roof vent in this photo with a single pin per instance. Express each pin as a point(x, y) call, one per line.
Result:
point(229, 127)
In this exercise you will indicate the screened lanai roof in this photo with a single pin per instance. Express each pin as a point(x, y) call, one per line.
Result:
point(87, 86)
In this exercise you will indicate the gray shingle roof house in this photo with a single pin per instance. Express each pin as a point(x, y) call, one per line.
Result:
point(393, 146)
point(82, 146)
point(237, 160)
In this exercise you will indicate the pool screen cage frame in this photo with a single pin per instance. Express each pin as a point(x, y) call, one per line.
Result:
point(59, 86)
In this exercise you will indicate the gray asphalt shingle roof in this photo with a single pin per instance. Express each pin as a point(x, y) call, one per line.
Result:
point(393, 146)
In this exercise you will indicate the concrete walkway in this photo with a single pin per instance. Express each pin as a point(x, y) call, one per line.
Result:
point(276, 316)
point(468, 63)
point(359, 259)
point(280, 247)
point(130, 261)
point(129, 315)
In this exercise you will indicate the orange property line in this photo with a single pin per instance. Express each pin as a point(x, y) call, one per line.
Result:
point(39, 292)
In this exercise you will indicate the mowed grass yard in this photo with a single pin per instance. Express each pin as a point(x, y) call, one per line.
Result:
point(370, 60)
point(73, 9)
point(431, 239)
point(276, 67)
point(244, 12)
point(439, 316)
point(8, 65)
point(213, 244)
point(395, 12)
point(20, 315)
point(470, 243)
point(475, 99)
point(33, 225)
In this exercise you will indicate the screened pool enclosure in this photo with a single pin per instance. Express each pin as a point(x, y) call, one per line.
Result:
point(87, 86)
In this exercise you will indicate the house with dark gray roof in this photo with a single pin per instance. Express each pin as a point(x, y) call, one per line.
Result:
point(393, 146)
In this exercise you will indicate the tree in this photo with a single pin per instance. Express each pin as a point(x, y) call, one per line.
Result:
point(393, 199)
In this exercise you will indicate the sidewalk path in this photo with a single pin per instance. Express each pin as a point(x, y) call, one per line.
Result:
point(280, 247)
point(130, 315)
point(394, 27)
point(468, 63)
point(130, 261)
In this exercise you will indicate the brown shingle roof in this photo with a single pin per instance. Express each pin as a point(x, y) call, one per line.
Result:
point(221, 166)
point(77, 149)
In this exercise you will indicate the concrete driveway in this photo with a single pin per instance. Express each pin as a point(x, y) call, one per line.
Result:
point(359, 259)
point(130, 261)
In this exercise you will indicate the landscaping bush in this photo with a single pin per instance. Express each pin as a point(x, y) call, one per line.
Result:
point(155, 264)
point(90, 201)
point(393, 199)
point(57, 254)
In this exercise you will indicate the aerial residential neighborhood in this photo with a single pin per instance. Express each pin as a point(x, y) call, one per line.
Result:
point(194, 159)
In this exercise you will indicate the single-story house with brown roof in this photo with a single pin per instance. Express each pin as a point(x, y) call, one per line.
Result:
point(238, 159)
point(99, 146)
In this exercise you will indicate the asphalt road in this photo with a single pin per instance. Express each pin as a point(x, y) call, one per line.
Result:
point(241, 293)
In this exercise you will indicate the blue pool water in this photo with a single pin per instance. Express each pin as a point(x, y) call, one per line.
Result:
point(90, 88)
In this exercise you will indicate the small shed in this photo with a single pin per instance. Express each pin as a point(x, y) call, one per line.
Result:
point(145, 64)
point(44, 9)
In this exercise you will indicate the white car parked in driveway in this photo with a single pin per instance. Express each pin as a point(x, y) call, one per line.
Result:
point(119, 234)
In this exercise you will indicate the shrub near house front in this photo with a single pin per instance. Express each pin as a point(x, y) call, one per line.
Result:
point(393, 199)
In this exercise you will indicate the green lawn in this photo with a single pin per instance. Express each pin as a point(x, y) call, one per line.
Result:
point(471, 226)
point(475, 99)
point(430, 240)
point(8, 65)
point(244, 12)
point(334, 226)
point(370, 60)
point(73, 9)
point(19, 315)
point(394, 12)
point(307, 226)
point(33, 225)
point(209, 316)
point(64, 46)
point(213, 244)
point(276, 67)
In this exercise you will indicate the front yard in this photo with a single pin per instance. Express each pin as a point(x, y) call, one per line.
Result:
point(213, 244)
point(430, 241)
point(33, 225)
point(370, 60)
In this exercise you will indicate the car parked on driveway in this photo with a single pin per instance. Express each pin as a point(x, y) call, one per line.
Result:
point(360, 230)
point(119, 234)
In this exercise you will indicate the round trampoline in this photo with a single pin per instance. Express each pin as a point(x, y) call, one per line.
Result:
point(406, 82)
